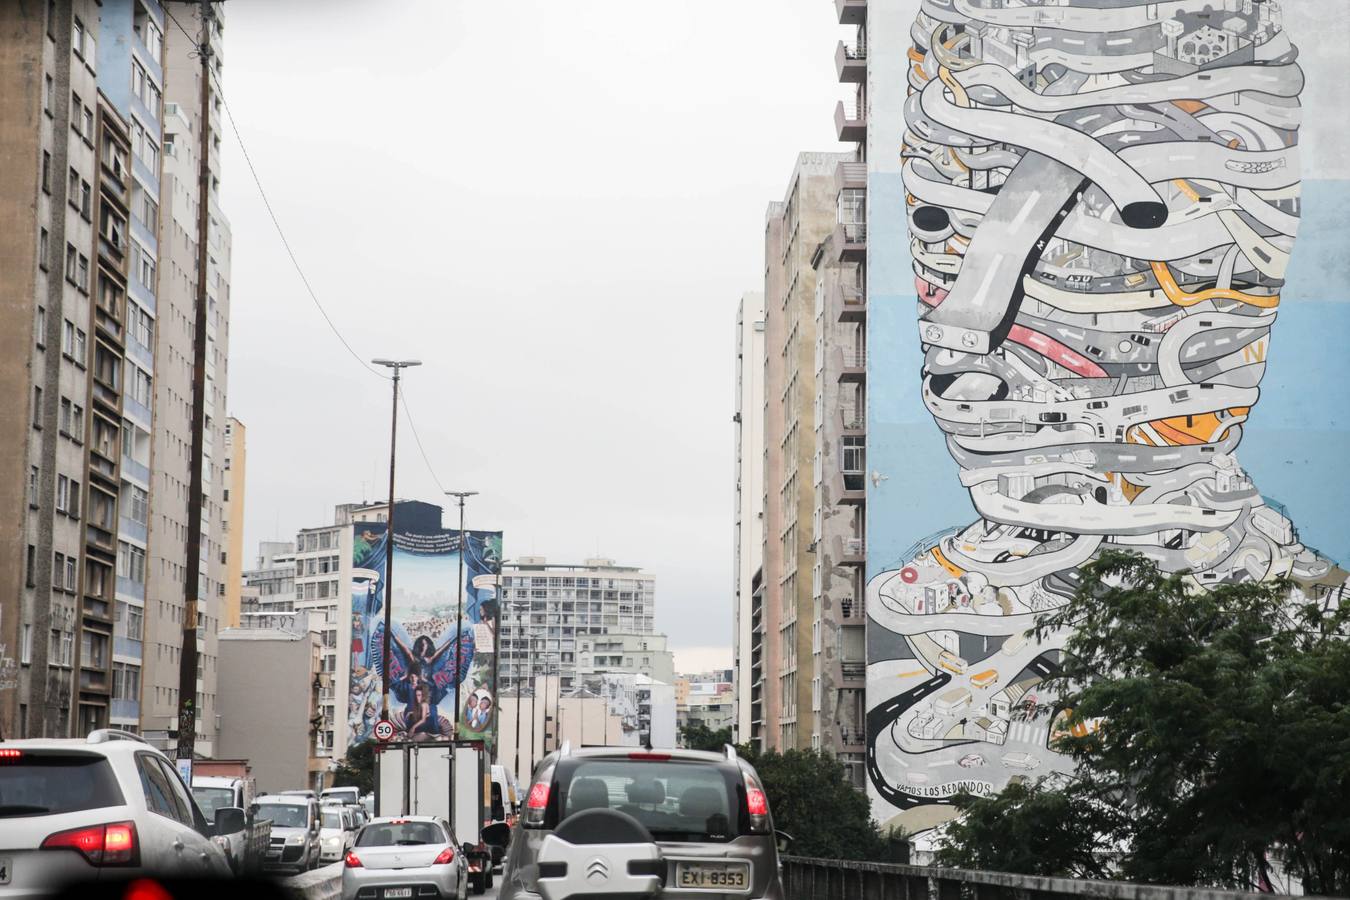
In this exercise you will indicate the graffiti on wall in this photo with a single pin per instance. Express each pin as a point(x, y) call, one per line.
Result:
point(1102, 201)
point(430, 655)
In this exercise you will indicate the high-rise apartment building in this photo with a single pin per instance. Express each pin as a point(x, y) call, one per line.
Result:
point(748, 537)
point(549, 610)
point(80, 92)
point(236, 460)
point(788, 623)
point(176, 270)
point(269, 587)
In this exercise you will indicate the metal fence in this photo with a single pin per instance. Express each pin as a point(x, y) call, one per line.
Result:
point(806, 878)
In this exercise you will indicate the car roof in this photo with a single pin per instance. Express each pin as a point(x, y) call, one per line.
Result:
point(285, 799)
point(105, 747)
point(656, 755)
point(389, 820)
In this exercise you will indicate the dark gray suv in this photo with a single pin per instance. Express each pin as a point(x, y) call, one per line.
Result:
point(628, 822)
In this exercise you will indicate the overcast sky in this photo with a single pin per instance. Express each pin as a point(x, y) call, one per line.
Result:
point(555, 206)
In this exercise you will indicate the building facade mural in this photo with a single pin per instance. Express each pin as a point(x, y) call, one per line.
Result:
point(429, 653)
point(1101, 199)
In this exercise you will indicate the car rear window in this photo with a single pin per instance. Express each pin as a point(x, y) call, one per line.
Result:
point(332, 819)
point(391, 834)
point(39, 784)
point(675, 800)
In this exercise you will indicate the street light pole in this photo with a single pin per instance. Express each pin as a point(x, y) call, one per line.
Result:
point(461, 496)
point(397, 365)
point(497, 667)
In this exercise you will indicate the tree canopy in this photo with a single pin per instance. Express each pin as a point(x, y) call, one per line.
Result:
point(701, 737)
point(1211, 731)
point(812, 799)
point(357, 768)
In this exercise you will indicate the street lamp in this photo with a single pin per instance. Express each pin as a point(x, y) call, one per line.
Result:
point(397, 365)
point(460, 496)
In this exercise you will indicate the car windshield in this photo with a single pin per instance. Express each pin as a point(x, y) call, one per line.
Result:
point(211, 799)
point(392, 834)
point(332, 820)
point(284, 815)
point(675, 800)
point(44, 785)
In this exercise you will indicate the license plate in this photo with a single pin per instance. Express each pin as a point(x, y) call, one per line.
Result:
point(6, 867)
point(395, 893)
point(712, 876)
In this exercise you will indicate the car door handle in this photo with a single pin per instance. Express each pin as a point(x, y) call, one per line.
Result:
point(177, 844)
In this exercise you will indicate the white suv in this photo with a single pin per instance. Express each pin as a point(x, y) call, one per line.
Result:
point(110, 805)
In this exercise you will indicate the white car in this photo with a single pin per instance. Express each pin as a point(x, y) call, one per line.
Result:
point(72, 809)
point(1020, 760)
point(337, 832)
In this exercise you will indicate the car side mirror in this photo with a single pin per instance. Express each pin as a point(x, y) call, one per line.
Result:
point(229, 820)
point(467, 848)
point(784, 841)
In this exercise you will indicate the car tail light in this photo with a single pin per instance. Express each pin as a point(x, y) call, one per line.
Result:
point(445, 857)
point(113, 844)
point(659, 757)
point(756, 804)
point(8, 753)
point(352, 861)
point(536, 805)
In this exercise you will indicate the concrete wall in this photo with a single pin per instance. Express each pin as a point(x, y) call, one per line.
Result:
point(266, 701)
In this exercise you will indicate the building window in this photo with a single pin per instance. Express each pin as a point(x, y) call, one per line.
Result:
point(49, 95)
point(93, 650)
point(34, 473)
point(30, 567)
point(131, 563)
point(46, 172)
point(126, 681)
point(37, 407)
point(26, 644)
point(86, 200)
point(77, 38)
point(87, 121)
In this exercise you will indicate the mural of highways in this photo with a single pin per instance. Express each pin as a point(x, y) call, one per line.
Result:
point(1102, 197)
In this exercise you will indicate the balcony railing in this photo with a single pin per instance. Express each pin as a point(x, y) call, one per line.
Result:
point(851, 12)
point(853, 669)
point(850, 123)
point(850, 62)
point(853, 418)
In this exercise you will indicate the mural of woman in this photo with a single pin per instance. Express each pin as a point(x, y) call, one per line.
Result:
point(1103, 199)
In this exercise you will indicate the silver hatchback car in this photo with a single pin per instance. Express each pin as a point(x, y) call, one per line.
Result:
point(678, 823)
point(405, 858)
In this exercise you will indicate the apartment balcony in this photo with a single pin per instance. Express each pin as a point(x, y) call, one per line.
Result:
point(850, 610)
point(854, 673)
point(849, 551)
point(851, 12)
point(852, 738)
point(850, 175)
point(850, 123)
point(850, 241)
point(850, 62)
point(849, 487)
point(852, 303)
point(850, 364)
point(853, 419)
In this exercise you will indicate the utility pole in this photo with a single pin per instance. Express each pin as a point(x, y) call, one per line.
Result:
point(397, 365)
point(534, 678)
point(461, 496)
point(515, 671)
point(187, 658)
point(497, 666)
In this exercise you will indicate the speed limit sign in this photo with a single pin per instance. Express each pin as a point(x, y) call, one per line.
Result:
point(384, 731)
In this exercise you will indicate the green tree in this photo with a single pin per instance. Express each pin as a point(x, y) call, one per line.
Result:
point(357, 768)
point(812, 799)
point(701, 737)
point(1213, 722)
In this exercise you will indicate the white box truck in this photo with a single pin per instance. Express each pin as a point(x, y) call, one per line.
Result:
point(414, 778)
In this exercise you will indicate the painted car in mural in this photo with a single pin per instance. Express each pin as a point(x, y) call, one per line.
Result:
point(429, 653)
point(1102, 202)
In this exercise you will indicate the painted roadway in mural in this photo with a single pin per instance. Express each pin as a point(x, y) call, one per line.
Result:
point(1102, 200)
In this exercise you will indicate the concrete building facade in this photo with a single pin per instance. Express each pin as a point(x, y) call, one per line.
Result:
point(80, 86)
point(236, 465)
point(176, 272)
point(279, 735)
point(269, 587)
point(795, 229)
point(550, 609)
point(620, 653)
point(748, 529)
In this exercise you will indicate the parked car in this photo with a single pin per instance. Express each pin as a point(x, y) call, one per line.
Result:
point(405, 857)
point(73, 809)
point(688, 819)
point(337, 831)
point(295, 832)
point(347, 794)
point(214, 792)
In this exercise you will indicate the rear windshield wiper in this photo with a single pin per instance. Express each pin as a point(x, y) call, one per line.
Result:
point(411, 843)
point(20, 809)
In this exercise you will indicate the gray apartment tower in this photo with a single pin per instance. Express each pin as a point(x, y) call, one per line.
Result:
point(93, 367)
